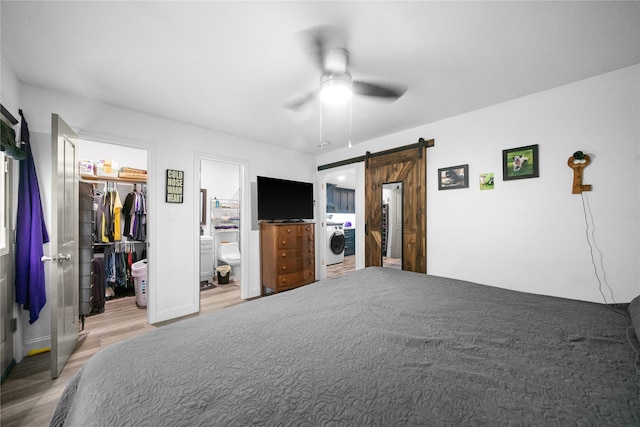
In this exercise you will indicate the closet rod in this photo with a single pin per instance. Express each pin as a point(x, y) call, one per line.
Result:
point(113, 179)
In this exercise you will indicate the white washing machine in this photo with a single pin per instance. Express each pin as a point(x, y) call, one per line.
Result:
point(335, 238)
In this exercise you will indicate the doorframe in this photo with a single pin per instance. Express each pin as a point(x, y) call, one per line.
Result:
point(392, 229)
point(245, 225)
point(151, 221)
point(321, 243)
point(8, 317)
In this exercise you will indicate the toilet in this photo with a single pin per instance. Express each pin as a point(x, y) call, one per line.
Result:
point(228, 253)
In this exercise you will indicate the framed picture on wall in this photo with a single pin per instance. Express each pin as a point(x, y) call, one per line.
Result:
point(520, 163)
point(486, 181)
point(453, 177)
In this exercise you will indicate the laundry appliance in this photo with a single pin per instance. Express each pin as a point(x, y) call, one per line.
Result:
point(335, 238)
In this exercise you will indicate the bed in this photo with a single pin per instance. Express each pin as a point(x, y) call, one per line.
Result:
point(373, 347)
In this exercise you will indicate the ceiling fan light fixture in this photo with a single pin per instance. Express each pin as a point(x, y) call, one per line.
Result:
point(336, 89)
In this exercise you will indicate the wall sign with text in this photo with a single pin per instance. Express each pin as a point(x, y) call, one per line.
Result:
point(175, 186)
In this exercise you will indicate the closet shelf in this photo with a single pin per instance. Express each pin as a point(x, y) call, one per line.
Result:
point(113, 179)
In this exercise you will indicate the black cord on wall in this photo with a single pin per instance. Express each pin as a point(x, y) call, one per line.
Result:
point(591, 241)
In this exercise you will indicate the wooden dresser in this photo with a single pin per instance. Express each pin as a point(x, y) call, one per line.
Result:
point(287, 254)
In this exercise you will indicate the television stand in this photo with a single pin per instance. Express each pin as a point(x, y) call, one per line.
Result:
point(287, 255)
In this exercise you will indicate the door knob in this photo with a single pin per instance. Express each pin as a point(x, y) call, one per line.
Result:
point(58, 258)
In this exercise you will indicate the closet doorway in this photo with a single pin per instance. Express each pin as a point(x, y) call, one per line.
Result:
point(115, 178)
point(392, 225)
point(222, 221)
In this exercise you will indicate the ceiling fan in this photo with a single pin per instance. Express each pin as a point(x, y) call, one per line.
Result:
point(336, 84)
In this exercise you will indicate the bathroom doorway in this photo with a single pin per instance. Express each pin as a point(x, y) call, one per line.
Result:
point(221, 224)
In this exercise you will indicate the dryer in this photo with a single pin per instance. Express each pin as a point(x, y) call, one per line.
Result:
point(336, 242)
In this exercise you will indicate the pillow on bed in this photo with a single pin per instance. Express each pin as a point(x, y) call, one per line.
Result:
point(634, 311)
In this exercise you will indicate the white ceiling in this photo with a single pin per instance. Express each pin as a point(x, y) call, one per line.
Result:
point(230, 66)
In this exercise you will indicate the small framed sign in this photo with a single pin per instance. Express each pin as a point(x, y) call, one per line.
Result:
point(175, 186)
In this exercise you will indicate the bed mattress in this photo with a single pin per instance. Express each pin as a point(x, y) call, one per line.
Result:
point(372, 347)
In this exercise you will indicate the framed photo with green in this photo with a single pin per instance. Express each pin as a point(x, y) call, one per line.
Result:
point(453, 177)
point(520, 163)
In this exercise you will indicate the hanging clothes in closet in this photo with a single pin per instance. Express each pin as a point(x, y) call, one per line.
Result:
point(118, 261)
point(134, 211)
point(109, 222)
point(118, 229)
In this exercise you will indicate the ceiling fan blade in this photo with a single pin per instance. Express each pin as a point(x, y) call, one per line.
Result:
point(319, 40)
point(299, 101)
point(379, 90)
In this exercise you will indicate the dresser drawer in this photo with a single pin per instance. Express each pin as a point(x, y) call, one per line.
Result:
point(295, 253)
point(287, 255)
point(293, 280)
point(293, 265)
point(294, 230)
point(296, 241)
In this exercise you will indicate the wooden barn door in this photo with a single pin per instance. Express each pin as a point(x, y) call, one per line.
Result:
point(409, 167)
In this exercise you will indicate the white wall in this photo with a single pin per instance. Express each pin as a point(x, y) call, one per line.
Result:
point(126, 156)
point(530, 234)
point(173, 233)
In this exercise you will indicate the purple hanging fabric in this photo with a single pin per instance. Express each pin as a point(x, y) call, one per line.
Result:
point(31, 234)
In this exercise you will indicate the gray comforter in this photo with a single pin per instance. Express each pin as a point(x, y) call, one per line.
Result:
point(373, 347)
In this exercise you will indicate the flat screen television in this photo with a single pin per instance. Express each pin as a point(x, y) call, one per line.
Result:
point(284, 200)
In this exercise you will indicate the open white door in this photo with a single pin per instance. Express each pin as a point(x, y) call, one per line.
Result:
point(64, 244)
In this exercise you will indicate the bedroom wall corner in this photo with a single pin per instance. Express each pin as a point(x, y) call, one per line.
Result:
point(173, 283)
point(530, 234)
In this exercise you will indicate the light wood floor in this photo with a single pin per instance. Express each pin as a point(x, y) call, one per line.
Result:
point(392, 262)
point(29, 395)
point(349, 264)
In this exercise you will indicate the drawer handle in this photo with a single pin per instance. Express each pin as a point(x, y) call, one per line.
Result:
point(288, 230)
point(284, 281)
point(284, 242)
point(284, 267)
point(284, 255)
